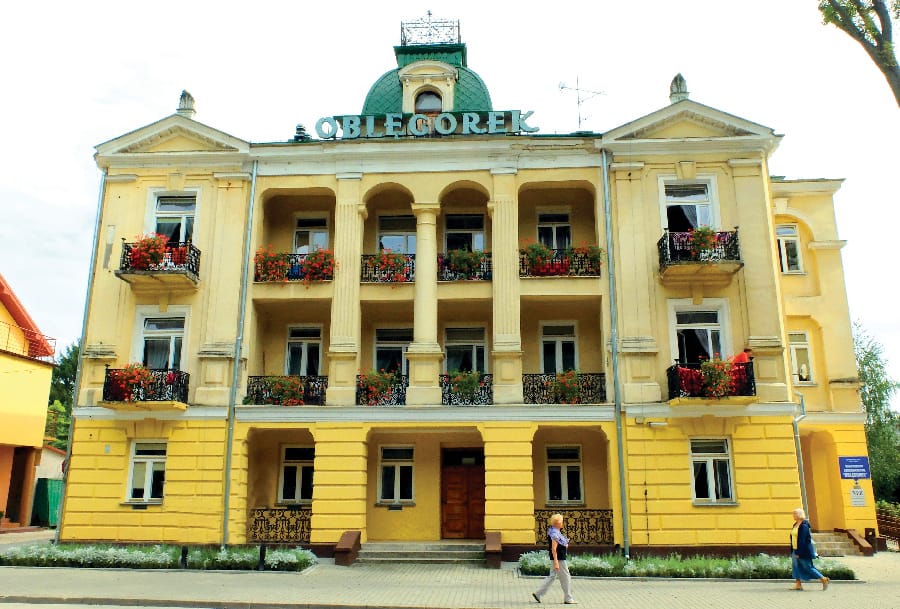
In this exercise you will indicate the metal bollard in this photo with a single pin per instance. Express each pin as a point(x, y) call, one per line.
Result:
point(261, 565)
point(184, 554)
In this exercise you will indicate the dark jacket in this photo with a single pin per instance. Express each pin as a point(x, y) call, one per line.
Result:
point(804, 541)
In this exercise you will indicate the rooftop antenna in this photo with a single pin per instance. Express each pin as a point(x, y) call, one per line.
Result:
point(582, 95)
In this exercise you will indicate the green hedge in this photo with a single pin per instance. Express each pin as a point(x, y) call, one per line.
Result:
point(152, 557)
point(761, 566)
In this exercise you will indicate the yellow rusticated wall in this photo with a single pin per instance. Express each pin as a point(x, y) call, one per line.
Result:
point(191, 510)
point(24, 386)
point(765, 480)
point(828, 494)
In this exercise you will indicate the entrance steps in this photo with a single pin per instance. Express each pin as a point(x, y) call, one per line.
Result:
point(835, 544)
point(465, 552)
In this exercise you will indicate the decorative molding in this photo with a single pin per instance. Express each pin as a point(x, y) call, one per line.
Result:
point(832, 418)
point(121, 178)
point(427, 414)
point(349, 175)
point(664, 410)
point(236, 176)
point(216, 350)
point(745, 162)
point(100, 351)
point(627, 166)
point(835, 244)
point(637, 344)
point(504, 171)
point(193, 413)
point(765, 343)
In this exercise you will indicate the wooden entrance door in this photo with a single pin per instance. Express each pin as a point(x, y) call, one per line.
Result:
point(462, 500)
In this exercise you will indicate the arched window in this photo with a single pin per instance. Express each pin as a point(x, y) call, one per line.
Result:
point(428, 102)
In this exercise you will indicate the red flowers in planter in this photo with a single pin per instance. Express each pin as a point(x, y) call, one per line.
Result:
point(318, 265)
point(270, 265)
point(148, 251)
point(132, 383)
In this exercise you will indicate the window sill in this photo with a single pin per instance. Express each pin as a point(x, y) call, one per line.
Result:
point(716, 503)
point(294, 505)
point(395, 504)
point(139, 504)
point(559, 504)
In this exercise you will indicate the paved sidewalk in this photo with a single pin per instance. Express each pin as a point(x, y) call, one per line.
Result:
point(431, 586)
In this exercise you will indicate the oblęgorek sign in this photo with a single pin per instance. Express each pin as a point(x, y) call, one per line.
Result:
point(418, 125)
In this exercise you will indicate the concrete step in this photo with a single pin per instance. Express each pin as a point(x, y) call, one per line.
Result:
point(422, 552)
point(835, 544)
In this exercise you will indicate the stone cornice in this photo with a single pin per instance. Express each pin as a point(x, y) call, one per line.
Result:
point(411, 414)
point(193, 413)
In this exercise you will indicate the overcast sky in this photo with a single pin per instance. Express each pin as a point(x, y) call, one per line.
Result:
point(78, 74)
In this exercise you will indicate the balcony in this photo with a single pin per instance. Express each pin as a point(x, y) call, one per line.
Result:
point(139, 388)
point(712, 380)
point(466, 390)
point(286, 390)
point(289, 524)
point(706, 258)
point(381, 389)
point(388, 267)
point(564, 388)
point(461, 265)
point(583, 526)
point(279, 267)
point(26, 343)
point(537, 260)
point(167, 265)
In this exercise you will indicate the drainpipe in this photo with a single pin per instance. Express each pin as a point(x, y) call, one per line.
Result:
point(800, 451)
point(84, 321)
point(614, 349)
point(236, 368)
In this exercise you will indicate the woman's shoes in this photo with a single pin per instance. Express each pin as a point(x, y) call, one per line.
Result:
point(825, 582)
point(797, 587)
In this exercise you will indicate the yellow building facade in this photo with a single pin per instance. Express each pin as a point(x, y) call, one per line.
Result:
point(407, 326)
point(26, 367)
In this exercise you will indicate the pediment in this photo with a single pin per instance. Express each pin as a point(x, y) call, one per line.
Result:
point(174, 134)
point(687, 120)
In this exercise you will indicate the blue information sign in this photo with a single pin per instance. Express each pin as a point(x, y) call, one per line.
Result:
point(854, 468)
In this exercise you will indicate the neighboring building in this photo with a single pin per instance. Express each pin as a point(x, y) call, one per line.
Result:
point(260, 420)
point(26, 367)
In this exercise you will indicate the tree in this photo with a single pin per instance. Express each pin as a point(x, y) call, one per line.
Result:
point(875, 390)
point(868, 22)
point(62, 395)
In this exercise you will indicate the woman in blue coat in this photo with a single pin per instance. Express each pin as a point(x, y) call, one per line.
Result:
point(802, 553)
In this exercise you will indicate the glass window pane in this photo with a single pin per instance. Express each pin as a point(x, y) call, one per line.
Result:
point(289, 483)
point(299, 453)
point(306, 482)
point(709, 447)
point(686, 192)
point(406, 482)
point(573, 482)
point(159, 479)
point(792, 255)
point(549, 348)
point(563, 237)
point(697, 317)
point(395, 335)
point(176, 353)
point(554, 483)
point(312, 359)
point(801, 364)
point(563, 453)
point(312, 223)
point(396, 454)
point(156, 353)
point(681, 218)
point(188, 229)
point(459, 357)
point(479, 358)
point(397, 223)
point(465, 222)
point(319, 240)
point(553, 218)
point(428, 102)
point(389, 359)
point(150, 448)
point(395, 243)
point(138, 479)
point(176, 204)
point(295, 359)
point(723, 479)
point(387, 482)
point(568, 355)
point(305, 333)
point(701, 482)
point(460, 241)
point(559, 330)
point(301, 242)
point(693, 345)
point(786, 230)
point(164, 324)
point(545, 236)
point(170, 227)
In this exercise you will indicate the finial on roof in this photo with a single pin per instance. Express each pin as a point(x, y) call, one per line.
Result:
point(678, 89)
point(186, 105)
point(300, 135)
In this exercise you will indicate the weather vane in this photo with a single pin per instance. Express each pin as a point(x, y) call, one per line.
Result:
point(582, 95)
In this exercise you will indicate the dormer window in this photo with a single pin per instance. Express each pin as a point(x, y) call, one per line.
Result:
point(428, 102)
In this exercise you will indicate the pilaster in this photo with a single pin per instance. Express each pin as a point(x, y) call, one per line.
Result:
point(339, 490)
point(509, 480)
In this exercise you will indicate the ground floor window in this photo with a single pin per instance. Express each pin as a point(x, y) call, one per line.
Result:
point(396, 480)
point(296, 485)
point(564, 482)
point(148, 472)
point(711, 469)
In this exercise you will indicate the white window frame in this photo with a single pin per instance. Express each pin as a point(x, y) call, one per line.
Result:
point(484, 344)
point(149, 461)
point(305, 341)
point(153, 196)
point(396, 464)
point(720, 305)
point(553, 210)
point(404, 346)
point(711, 191)
point(405, 234)
point(540, 342)
point(299, 463)
point(801, 345)
point(564, 466)
point(782, 241)
point(142, 312)
point(709, 459)
point(483, 231)
point(312, 216)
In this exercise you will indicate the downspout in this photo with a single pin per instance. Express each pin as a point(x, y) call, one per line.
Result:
point(614, 350)
point(236, 368)
point(800, 451)
point(84, 321)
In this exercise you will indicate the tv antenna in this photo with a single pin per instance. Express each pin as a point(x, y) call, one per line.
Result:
point(582, 95)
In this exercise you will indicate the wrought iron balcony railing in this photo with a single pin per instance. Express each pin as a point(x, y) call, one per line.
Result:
point(583, 527)
point(678, 248)
point(27, 343)
point(456, 394)
point(161, 386)
point(730, 379)
point(179, 257)
point(482, 271)
point(289, 524)
point(377, 394)
point(560, 263)
point(590, 388)
point(286, 390)
point(296, 267)
point(390, 268)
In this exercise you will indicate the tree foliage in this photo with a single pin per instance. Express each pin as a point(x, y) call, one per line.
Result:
point(868, 22)
point(876, 389)
point(62, 396)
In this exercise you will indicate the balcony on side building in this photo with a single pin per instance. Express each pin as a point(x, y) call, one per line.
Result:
point(699, 257)
point(138, 388)
point(286, 390)
point(712, 380)
point(569, 387)
point(155, 263)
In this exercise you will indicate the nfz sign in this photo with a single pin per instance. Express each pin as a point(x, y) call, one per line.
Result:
point(854, 468)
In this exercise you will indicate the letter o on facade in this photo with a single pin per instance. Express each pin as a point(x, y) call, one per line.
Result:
point(445, 123)
point(332, 125)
